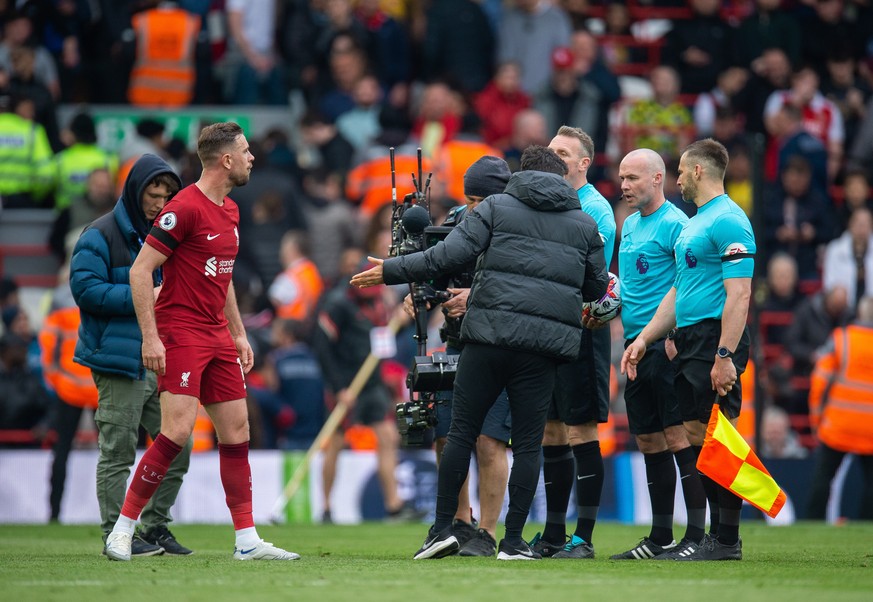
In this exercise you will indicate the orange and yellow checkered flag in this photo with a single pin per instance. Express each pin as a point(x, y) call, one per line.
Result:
point(728, 460)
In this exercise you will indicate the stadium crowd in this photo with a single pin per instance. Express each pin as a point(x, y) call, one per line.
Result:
point(785, 85)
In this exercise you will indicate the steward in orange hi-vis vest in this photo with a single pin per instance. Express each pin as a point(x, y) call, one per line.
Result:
point(841, 391)
point(71, 382)
point(163, 74)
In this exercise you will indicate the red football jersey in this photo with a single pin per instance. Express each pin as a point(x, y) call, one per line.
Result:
point(201, 241)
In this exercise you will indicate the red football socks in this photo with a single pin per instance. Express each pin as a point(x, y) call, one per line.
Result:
point(149, 474)
point(236, 476)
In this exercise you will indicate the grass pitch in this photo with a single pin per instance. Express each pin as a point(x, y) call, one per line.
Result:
point(373, 562)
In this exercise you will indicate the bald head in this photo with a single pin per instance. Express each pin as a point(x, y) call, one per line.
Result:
point(641, 174)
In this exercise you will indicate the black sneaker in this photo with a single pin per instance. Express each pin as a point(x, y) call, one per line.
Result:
point(543, 547)
point(644, 550)
point(683, 549)
point(326, 518)
point(161, 536)
point(576, 548)
point(520, 551)
point(712, 549)
point(405, 514)
point(464, 532)
point(438, 545)
point(482, 544)
point(140, 547)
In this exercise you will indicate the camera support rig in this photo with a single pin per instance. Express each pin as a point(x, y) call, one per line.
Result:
point(411, 232)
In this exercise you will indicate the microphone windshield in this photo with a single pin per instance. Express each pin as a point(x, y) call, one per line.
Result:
point(415, 219)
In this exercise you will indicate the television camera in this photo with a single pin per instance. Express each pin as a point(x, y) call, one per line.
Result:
point(411, 232)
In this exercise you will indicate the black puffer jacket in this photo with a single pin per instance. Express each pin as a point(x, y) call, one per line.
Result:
point(539, 257)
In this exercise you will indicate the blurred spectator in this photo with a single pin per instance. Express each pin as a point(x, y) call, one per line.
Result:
point(502, 99)
point(17, 32)
point(347, 65)
point(386, 44)
point(26, 174)
point(71, 383)
point(9, 296)
point(781, 289)
point(617, 28)
point(848, 91)
point(770, 72)
point(814, 320)
point(334, 18)
point(588, 65)
point(297, 22)
point(840, 410)
point(797, 218)
point(821, 118)
point(436, 116)
point(73, 167)
point(333, 227)
point(769, 26)
point(59, 25)
point(292, 403)
point(861, 153)
point(848, 260)
point(459, 44)
point(778, 439)
point(106, 49)
point(826, 28)
point(568, 99)
point(332, 151)
point(791, 139)
point(23, 83)
point(368, 184)
point(738, 176)
point(25, 401)
point(149, 138)
point(296, 290)
point(528, 127)
point(360, 125)
point(856, 195)
point(164, 70)
point(99, 198)
point(529, 32)
point(455, 157)
point(728, 85)
point(699, 48)
point(342, 341)
point(257, 70)
point(661, 123)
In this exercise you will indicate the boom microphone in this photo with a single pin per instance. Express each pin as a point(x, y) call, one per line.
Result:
point(415, 219)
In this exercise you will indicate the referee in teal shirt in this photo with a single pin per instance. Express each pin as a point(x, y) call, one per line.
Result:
point(708, 305)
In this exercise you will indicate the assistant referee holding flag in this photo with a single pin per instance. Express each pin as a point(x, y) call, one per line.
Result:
point(708, 305)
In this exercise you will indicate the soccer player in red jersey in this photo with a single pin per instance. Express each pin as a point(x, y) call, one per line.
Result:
point(193, 338)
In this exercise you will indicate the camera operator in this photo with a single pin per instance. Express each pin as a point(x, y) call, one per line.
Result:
point(539, 258)
point(487, 176)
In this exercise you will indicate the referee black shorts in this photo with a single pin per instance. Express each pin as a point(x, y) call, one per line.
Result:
point(581, 392)
point(651, 399)
point(696, 346)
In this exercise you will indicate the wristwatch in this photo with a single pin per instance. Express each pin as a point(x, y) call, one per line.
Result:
point(724, 353)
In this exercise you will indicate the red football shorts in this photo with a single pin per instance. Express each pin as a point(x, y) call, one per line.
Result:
point(210, 374)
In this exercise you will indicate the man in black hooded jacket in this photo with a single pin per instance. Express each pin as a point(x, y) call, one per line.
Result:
point(539, 258)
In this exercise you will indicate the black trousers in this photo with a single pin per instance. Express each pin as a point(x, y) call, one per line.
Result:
point(827, 462)
point(483, 372)
point(66, 423)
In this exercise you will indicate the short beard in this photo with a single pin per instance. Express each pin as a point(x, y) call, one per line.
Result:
point(241, 180)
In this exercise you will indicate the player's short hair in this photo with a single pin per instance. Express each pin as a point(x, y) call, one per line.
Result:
point(542, 158)
point(580, 135)
point(165, 179)
point(711, 154)
point(214, 140)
